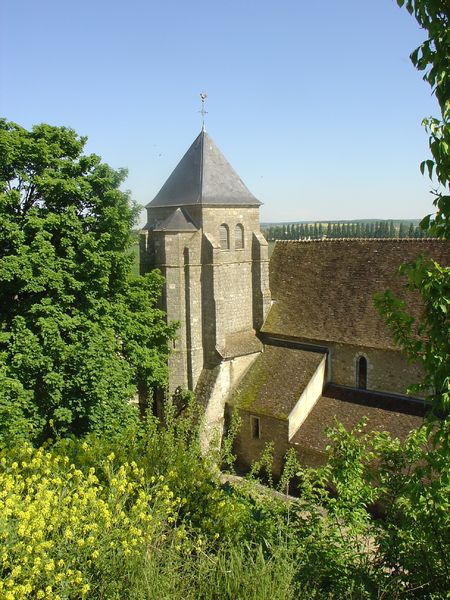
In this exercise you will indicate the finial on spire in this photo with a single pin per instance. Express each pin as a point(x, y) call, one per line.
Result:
point(203, 112)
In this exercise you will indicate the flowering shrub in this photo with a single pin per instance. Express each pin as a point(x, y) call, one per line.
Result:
point(91, 519)
point(144, 516)
point(61, 528)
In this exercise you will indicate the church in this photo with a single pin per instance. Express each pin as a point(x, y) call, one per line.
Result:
point(290, 343)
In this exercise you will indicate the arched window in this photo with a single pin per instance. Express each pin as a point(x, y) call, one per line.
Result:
point(239, 237)
point(361, 373)
point(224, 237)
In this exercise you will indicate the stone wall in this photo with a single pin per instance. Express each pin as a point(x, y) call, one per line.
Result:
point(309, 397)
point(215, 386)
point(248, 448)
point(214, 216)
point(387, 370)
point(260, 279)
point(229, 285)
point(181, 303)
point(193, 310)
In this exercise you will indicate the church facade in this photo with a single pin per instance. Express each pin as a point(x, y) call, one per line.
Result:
point(288, 352)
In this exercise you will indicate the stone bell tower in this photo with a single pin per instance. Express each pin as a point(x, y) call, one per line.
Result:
point(203, 234)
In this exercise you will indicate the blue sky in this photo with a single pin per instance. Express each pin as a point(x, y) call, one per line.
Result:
point(315, 104)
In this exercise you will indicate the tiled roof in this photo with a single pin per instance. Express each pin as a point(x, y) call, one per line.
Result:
point(276, 380)
point(323, 290)
point(312, 432)
point(204, 176)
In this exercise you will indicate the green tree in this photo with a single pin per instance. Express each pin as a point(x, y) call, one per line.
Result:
point(433, 57)
point(392, 233)
point(77, 333)
point(402, 230)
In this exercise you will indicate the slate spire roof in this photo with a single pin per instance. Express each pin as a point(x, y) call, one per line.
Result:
point(204, 176)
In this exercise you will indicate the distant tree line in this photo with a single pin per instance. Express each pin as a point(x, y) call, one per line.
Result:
point(350, 229)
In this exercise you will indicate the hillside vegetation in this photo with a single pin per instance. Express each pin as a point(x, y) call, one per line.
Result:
point(143, 514)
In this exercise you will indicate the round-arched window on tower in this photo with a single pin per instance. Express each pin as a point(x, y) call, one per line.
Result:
point(239, 237)
point(224, 237)
point(361, 373)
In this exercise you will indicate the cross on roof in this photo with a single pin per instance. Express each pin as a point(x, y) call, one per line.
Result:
point(203, 112)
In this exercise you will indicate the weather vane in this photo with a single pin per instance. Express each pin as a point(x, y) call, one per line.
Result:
point(203, 112)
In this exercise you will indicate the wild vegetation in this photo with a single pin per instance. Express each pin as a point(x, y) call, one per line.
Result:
point(143, 514)
point(110, 506)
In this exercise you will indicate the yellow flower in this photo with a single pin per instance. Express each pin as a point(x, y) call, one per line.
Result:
point(16, 571)
point(50, 565)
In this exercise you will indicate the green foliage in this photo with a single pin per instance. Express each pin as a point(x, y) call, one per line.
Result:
point(414, 479)
point(433, 57)
point(405, 550)
point(425, 341)
point(374, 521)
point(76, 332)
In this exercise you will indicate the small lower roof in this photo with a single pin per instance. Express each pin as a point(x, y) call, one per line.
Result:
point(276, 380)
point(177, 221)
point(240, 343)
point(312, 434)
